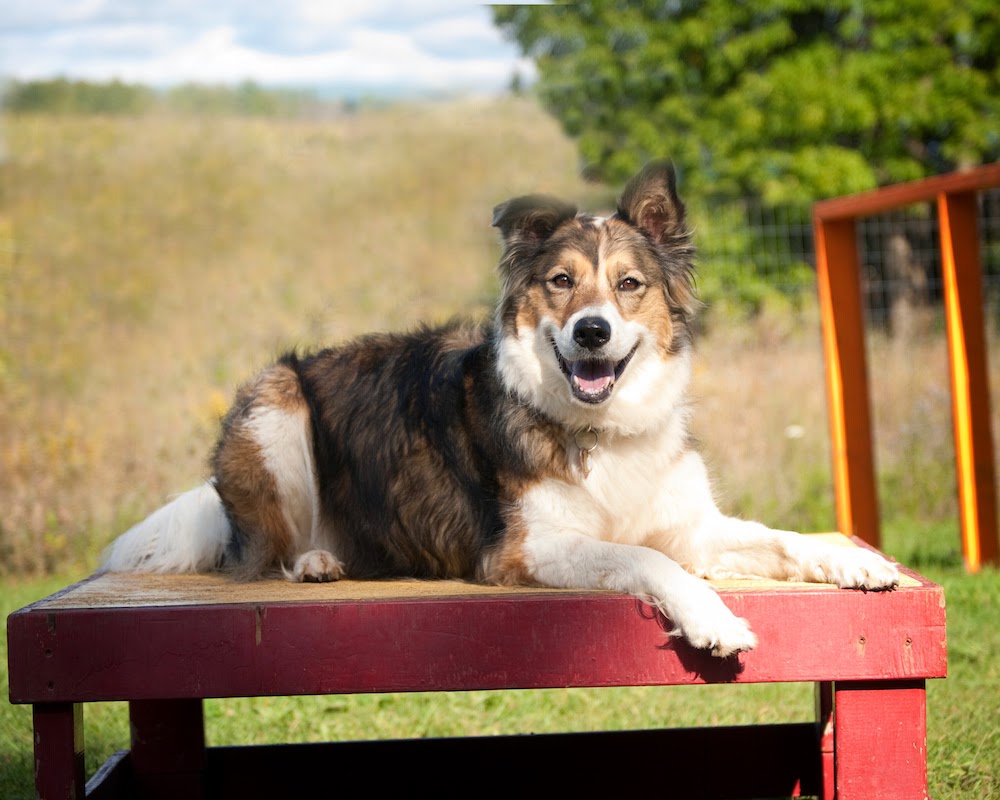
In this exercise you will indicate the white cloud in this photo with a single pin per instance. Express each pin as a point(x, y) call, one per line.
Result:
point(380, 44)
point(383, 13)
point(461, 34)
point(129, 37)
point(325, 13)
point(21, 13)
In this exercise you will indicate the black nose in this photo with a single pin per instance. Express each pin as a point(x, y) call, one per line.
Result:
point(592, 332)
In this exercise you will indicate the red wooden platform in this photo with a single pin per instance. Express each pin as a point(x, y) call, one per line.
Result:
point(163, 643)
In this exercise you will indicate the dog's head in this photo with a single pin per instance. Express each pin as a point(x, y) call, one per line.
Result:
point(594, 318)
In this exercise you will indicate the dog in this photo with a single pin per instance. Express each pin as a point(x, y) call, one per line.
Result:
point(547, 447)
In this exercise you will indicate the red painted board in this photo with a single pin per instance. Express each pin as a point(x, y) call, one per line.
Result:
point(168, 736)
point(824, 724)
point(881, 740)
point(557, 640)
point(891, 197)
point(59, 765)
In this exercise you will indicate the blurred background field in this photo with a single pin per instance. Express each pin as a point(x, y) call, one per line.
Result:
point(150, 263)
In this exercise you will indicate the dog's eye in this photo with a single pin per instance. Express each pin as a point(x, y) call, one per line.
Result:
point(561, 281)
point(629, 285)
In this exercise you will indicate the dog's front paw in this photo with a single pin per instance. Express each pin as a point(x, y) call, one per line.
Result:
point(860, 569)
point(708, 624)
point(316, 566)
point(724, 640)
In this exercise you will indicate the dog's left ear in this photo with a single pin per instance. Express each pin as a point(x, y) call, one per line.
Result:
point(531, 219)
point(650, 202)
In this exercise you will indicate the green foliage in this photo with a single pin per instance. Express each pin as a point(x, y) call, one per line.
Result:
point(246, 99)
point(62, 96)
point(748, 255)
point(786, 100)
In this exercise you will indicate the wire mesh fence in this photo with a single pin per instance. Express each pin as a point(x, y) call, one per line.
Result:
point(771, 250)
point(771, 247)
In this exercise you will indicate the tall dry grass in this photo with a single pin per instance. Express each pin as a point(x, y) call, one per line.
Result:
point(763, 425)
point(149, 265)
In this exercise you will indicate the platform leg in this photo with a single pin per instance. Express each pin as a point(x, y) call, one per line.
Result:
point(880, 740)
point(824, 725)
point(168, 748)
point(59, 769)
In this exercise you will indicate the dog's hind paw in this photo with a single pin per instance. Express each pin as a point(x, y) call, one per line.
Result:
point(316, 566)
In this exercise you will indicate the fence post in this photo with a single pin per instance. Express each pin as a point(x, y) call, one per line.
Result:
point(839, 280)
point(963, 300)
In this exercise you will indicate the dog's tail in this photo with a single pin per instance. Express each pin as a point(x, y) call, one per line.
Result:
point(189, 534)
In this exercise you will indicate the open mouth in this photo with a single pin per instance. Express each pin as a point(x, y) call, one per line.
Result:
point(591, 380)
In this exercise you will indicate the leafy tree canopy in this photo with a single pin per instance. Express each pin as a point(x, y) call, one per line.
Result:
point(788, 100)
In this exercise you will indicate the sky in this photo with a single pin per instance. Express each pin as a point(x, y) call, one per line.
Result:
point(369, 46)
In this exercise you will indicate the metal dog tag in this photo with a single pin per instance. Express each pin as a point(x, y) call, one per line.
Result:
point(586, 448)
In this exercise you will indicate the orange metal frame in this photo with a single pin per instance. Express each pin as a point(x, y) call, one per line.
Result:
point(838, 272)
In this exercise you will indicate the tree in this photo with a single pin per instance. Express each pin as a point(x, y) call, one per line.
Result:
point(62, 96)
point(784, 100)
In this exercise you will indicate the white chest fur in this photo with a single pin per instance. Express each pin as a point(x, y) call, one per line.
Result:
point(637, 487)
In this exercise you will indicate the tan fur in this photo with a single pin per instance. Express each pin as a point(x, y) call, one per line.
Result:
point(255, 501)
point(506, 564)
point(279, 388)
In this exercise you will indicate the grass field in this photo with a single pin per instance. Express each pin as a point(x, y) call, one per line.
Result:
point(147, 266)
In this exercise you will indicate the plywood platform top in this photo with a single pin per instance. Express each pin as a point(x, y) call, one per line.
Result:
point(132, 590)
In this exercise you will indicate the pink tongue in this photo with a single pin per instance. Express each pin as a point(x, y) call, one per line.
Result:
point(593, 376)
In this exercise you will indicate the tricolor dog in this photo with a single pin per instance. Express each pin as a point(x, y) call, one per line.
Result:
point(547, 447)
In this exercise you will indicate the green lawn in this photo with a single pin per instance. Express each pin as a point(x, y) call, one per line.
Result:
point(963, 740)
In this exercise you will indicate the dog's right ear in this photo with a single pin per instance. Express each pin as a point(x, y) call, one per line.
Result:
point(531, 219)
